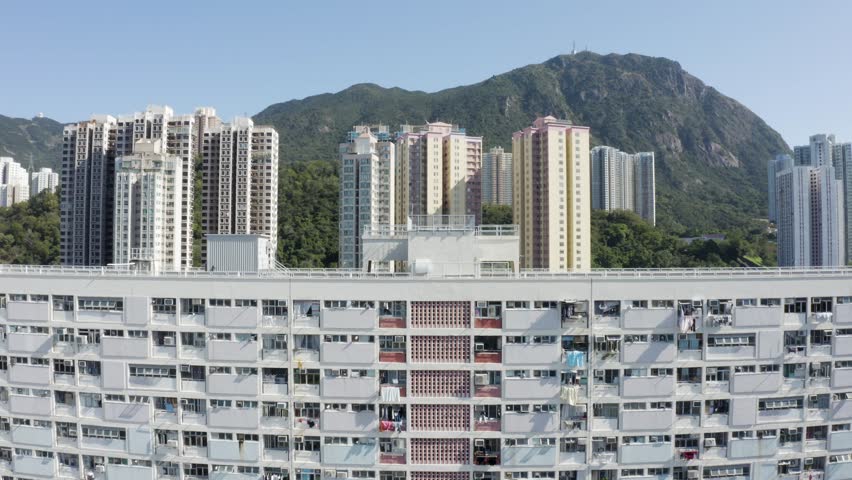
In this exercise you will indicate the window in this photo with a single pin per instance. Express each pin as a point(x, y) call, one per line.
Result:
point(100, 304)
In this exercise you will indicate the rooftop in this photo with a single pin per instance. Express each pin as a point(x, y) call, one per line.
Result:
point(332, 273)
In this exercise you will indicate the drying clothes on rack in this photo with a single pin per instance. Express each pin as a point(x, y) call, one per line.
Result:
point(575, 360)
point(569, 394)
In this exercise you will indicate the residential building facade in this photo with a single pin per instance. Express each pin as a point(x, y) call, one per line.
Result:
point(147, 220)
point(824, 149)
point(778, 164)
point(614, 375)
point(623, 181)
point(497, 177)
point(367, 183)
point(438, 172)
point(14, 182)
point(87, 177)
point(43, 179)
point(550, 186)
point(811, 225)
point(240, 180)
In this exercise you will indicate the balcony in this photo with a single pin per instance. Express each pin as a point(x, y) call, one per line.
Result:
point(649, 318)
point(758, 316)
point(843, 313)
point(641, 420)
point(124, 347)
point(392, 356)
point(529, 456)
point(148, 383)
point(482, 356)
point(127, 412)
point(27, 311)
point(232, 384)
point(31, 374)
point(840, 441)
point(391, 322)
point(536, 422)
point(490, 425)
point(233, 450)
point(734, 352)
point(129, 472)
point(842, 345)
point(392, 458)
point(841, 409)
point(531, 388)
point(36, 466)
point(232, 351)
point(232, 317)
point(486, 391)
point(639, 387)
point(30, 405)
point(100, 316)
point(29, 343)
point(361, 388)
point(841, 378)
point(35, 436)
point(349, 318)
point(531, 354)
point(226, 417)
point(531, 319)
point(740, 448)
point(646, 453)
point(347, 353)
point(338, 421)
point(756, 382)
point(487, 322)
point(653, 352)
point(363, 454)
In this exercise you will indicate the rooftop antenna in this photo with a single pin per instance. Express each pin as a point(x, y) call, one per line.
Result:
point(573, 48)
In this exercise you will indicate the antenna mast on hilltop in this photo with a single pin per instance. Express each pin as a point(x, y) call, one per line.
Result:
point(574, 48)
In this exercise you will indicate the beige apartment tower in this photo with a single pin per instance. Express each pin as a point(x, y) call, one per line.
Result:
point(437, 172)
point(551, 198)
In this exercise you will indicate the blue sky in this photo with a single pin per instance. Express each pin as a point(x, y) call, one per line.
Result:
point(789, 61)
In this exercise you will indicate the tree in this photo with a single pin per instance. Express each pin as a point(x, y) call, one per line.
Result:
point(493, 214)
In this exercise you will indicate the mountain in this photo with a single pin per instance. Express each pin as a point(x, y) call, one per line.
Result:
point(39, 137)
point(711, 151)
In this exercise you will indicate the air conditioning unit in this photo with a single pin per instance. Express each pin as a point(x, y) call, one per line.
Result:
point(281, 405)
point(356, 338)
point(298, 439)
point(172, 443)
point(481, 304)
point(479, 442)
point(168, 301)
point(814, 398)
point(169, 341)
point(82, 340)
point(479, 347)
point(480, 379)
point(492, 311)
point(478, 475)
point(185, 369)
point(696, 404)
point(329, 473)
point(342, 474)
point(692, 474)
point(68, 363)
point(100, 468)
point(335, 372)
point(83, 364)
point(809, 461)
point(281, 439)
point(399, 338)
point(611, 440)
point(710, 442)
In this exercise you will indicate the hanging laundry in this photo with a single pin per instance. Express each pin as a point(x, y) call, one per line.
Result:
point(575, 360)
point(569, 394)
point(390, 394)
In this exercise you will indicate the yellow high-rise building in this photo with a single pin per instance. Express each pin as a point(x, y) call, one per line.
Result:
point(551, 198)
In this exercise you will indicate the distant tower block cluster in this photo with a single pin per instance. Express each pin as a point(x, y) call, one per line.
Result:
point(624, 181)
point(239, 194)
point(14, 182)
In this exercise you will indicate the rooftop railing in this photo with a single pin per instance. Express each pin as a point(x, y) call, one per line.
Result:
point(482, 271)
